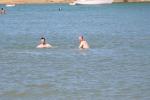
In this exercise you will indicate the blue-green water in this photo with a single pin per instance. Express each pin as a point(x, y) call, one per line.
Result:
point(117, 67)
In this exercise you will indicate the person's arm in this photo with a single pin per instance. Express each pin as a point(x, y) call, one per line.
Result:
point(81, 45)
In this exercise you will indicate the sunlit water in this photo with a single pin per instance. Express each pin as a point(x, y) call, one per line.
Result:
point(117, 67)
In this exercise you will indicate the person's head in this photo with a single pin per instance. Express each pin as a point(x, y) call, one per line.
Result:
point(2, 9)
point(59, 9)
point(43, 40)
point(81, 38)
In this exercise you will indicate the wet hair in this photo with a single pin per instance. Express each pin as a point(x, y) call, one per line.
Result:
point(2, 8)
point(43, 38)
point(82, 37)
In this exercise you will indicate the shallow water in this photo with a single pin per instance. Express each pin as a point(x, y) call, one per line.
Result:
point(117, 67)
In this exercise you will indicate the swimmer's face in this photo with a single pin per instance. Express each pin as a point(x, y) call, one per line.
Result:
point(80, 38)
point(42, 41)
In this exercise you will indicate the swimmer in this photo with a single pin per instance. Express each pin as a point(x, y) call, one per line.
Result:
point(83, 43)
point(43, 43)
point(60, 9)
point(2, 11)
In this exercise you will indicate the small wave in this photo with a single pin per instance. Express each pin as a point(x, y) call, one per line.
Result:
point(14, 93)
point(38, 85)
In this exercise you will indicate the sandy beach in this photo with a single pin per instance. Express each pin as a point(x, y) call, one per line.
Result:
point(55, 1)
point(34, 1)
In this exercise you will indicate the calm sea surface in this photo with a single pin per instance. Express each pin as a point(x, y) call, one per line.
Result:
point(117, 67)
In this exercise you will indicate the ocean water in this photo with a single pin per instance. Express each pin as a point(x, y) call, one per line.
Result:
point(116, 67)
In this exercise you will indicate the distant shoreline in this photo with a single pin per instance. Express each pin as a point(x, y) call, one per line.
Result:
point(58, 2)
point(35, 1)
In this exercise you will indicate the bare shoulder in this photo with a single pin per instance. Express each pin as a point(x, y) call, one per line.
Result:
point(48, 45)
point(39, 46)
